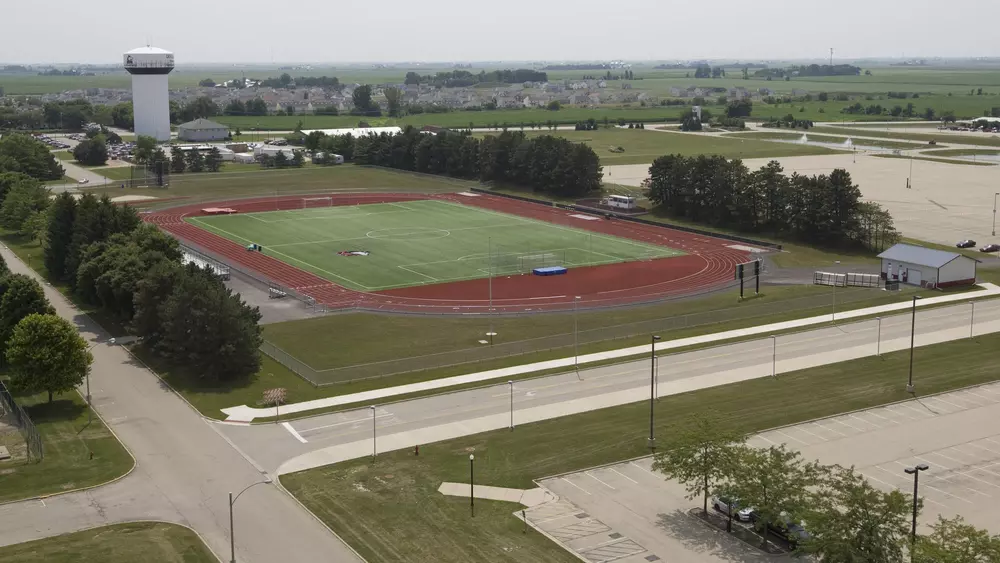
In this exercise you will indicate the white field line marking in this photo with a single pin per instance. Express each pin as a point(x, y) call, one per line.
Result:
point(577, 486)
point(293, 432)
point(588, 474)
point(432, 278)
point(343, 422)
point(623, 475)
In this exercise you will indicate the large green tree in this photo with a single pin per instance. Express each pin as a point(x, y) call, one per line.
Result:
point(362, 99)
point(23, 153)
point(393, 98)
point(60, 234)
point(46, 353)
point(700, 456)
point(23, 200)
point(213, 160)
point(850, 521)
point(954, 541)
point(92, 152)
point(21, 297)
point(776, 483)
point(144, 148)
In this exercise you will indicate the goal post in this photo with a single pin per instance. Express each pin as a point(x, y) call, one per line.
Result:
point(507, 261)
point(310, 202)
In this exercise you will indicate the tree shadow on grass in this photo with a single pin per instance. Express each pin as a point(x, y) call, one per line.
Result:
point(703, 537)
point(173, 378)
point(59, 410)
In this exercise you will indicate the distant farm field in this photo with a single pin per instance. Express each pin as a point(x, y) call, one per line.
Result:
point(383, 246)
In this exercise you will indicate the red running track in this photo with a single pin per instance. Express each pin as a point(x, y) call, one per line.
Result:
point(708, 264)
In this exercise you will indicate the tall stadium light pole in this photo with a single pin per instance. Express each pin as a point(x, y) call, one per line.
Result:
point(232, 501)
point(915, 471)
point(774, 355)
point(652, 388)
point(576, 335)
point(90, 406)
point(913, 329)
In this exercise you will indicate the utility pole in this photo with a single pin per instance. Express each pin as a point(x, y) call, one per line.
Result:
point(831, 56)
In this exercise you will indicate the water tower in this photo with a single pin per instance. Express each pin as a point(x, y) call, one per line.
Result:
point(149, 68)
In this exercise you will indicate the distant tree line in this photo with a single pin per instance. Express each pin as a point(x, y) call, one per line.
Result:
point(286, 81)
point(191, 161)
point(824, 209)
point(545, 163)
point(462, 78)
point(809, 70)
point(133, 271)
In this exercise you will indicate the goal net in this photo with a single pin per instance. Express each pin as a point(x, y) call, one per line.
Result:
point(310, 202)
point(505, 262)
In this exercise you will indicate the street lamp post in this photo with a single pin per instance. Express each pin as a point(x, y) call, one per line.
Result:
point(878, 339)
point(90, 406)
point(774, 355)
point(652, 388)
point(972, 318)
point(232, 501)
point(510, 383)
point(913, 329)
point(915, 471)
point(576, 337)
point(995, 213)
point(472, 484)
point(374, 446)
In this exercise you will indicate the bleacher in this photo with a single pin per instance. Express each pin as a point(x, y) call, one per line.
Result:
point(216, 268)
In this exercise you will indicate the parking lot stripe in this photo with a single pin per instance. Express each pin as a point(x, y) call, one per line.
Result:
point(623, 475)
point(947, 478)
point(801, 429)
point(902, 414)
point(634, 464)
point(837, 420)
point(863, 421)
point(588, 474)
point(979, 401)
point(830, 429)
point(959, 407)
point(949, 494)
point(876, 415)
point(792, 437)
point(923, 413)
point(575, 485)
point(992, 441)
point(761, 436)
point(982, 448)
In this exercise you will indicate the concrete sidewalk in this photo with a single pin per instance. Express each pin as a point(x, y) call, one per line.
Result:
point(244, 413)
point(527, 497)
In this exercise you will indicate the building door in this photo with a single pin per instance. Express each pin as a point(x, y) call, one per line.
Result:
point(912, 276)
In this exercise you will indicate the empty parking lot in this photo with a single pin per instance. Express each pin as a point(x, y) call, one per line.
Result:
point(627, 513)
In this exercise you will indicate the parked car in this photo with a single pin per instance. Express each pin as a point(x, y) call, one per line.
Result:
point(966, 244)
point(722, 504)
point(791, 532)
point(990, 248)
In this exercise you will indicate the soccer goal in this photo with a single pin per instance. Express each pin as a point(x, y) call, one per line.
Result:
point(507, 263)
point(310, 202)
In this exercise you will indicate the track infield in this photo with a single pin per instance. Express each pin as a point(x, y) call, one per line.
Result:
point(384, 246)
point(640, 263)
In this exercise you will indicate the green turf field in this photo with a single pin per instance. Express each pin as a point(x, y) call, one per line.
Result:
point(420, 242)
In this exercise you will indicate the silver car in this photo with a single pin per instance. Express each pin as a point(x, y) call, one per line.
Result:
point(723, 504)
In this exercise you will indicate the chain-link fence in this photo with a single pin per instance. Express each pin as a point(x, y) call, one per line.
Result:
point(567, 338)
point(14, 415)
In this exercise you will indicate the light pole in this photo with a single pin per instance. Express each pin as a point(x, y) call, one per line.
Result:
point(774, 355)
point(878, 339)
point(374, 446)
point(972, 318)
point(510, 383)
point(232, 501)
point(90, 407)
point(915, 471)
point(913, 330)
point(472, 484)
point(995, 213)
point(576, 337)
point(652, 388)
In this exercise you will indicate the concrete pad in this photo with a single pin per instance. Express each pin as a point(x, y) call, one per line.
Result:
point(534, 496)
point(4, 454)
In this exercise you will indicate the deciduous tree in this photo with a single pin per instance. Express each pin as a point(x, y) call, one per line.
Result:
point(46, 353)
point(22, 297)
point(954, 541)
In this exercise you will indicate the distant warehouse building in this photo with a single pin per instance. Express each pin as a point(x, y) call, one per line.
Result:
point(201, 130)
point(926, 267)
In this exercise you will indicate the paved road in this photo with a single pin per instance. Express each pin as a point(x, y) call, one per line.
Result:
point(184, 471)
point(282, 448)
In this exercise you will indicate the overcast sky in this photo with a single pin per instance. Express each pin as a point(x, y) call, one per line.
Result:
point(200, 31)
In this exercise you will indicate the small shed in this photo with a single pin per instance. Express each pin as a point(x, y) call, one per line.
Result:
point(926, 267)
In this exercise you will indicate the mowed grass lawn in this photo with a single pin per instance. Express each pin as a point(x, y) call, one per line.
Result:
point(390, 510)
point(419, 242)
point(121, 543)
point(67, 440)
point(645, 145)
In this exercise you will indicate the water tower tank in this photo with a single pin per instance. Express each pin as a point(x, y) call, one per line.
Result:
point(149, 67)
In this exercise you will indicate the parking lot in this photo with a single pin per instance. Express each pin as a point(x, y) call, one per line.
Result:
point(627, 513)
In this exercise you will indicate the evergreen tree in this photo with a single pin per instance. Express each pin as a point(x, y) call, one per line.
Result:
point(195, 162)
point(213, 160)
point(59, 235)
point(177, 162)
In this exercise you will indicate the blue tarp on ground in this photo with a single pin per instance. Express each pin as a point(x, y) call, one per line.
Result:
point(549, 271)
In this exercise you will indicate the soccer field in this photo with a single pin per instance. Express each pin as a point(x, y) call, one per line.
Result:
point(390, 245)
